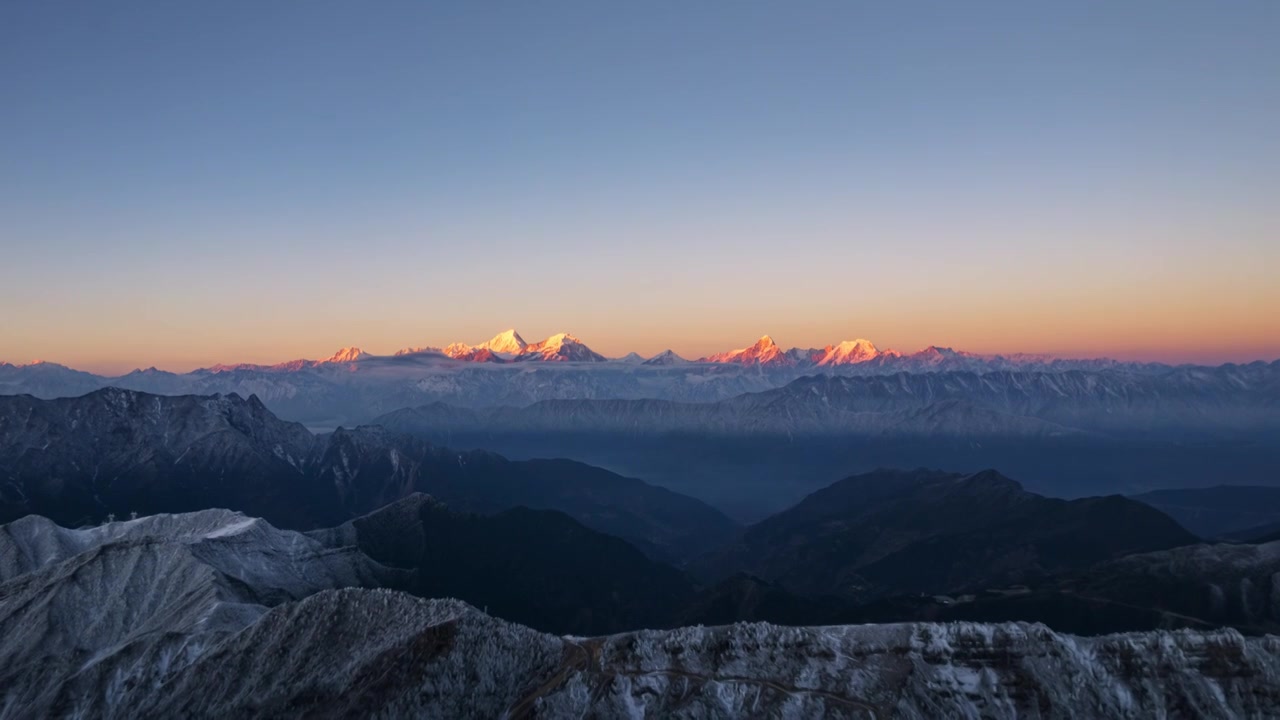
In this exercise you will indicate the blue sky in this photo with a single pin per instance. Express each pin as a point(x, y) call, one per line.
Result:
point(188, 183)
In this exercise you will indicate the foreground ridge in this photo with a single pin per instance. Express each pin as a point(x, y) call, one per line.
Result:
point(215, 614)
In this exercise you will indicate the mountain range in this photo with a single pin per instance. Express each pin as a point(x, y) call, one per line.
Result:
point(509, 346)
point(865, 539)
point(1067, 433)
point(353, 386)
point(1227, 399)
point(113, 452)
point(340, 602)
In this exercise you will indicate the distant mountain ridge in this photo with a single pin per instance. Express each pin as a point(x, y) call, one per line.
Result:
point(353, 386)
point(992, 404)
point(508, 346)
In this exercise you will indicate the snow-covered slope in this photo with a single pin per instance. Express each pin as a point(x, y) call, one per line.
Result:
point(507, 342)
point(214, 615)
point(84, 614)
point(849, 352)
point(503, 346)
point(764, 352)
point(561, 347)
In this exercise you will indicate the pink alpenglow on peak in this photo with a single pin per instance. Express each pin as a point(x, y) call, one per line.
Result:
point(345, 355)
point(764, 352)
point(849, 352)
point(561, 347)
point(477, 354)
point(457, 350)
point(508, 345)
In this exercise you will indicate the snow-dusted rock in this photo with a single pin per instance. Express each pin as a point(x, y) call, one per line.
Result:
point(217, 615)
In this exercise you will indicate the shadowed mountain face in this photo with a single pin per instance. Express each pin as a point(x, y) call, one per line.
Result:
point(217, 615)
point(894, 532)
point(1196, 586)
point(77, 460)
point(539, 568)
point(113, 451)
point(371, 467)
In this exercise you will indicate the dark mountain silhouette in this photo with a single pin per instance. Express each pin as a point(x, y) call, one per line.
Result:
point(537, 567)
point(923, 531)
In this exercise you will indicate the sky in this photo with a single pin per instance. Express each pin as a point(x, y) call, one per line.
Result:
point(186, 183)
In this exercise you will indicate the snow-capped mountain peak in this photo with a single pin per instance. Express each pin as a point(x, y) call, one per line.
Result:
point(503, 346)
point(561, 347)
point(849, 352)
point(346, 355)
point(764, 352)
point(558, 340)
point(507, 342)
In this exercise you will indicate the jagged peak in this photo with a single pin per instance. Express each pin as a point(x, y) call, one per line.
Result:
point(416, 350)
point(554, 342)
point(764, 352)
point(560, 347)
point(346, 355)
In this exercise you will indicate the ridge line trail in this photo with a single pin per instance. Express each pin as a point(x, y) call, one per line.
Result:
point(589, 655)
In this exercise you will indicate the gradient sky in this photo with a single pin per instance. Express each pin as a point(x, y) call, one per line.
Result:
point(186, 183)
